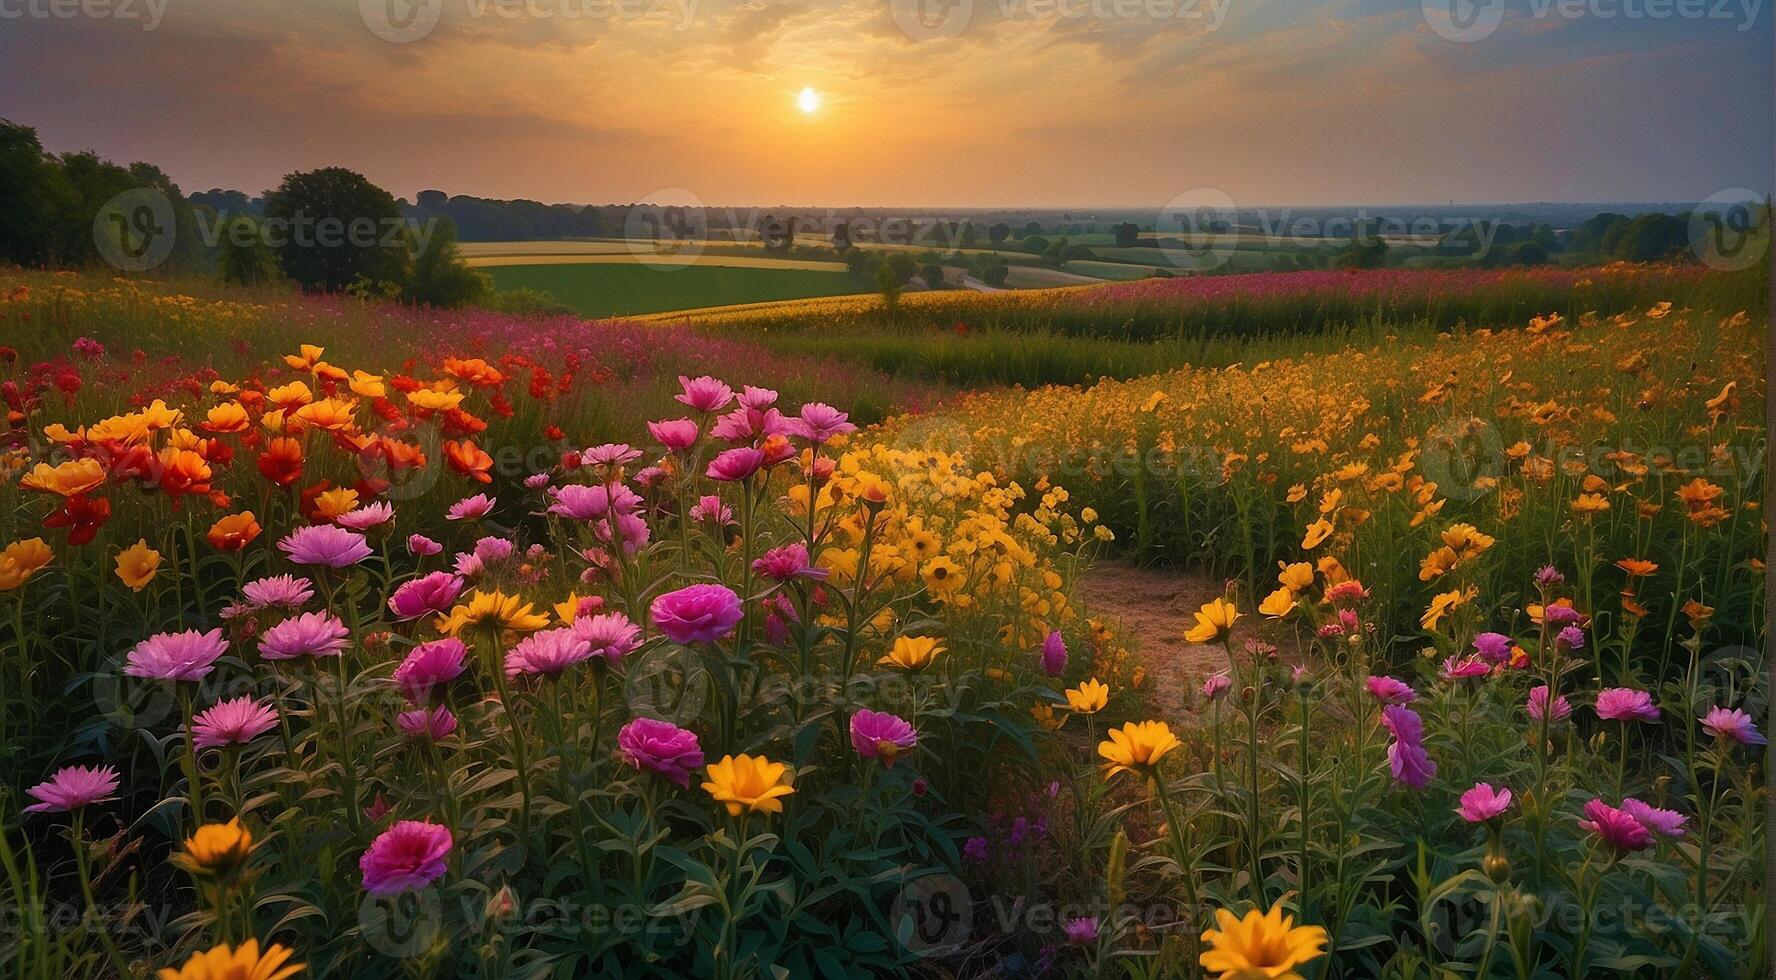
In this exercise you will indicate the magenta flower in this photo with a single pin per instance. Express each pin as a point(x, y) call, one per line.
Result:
point(1626, 704)
point(1560, 614)
point(436, 723)
point(1465, 668)
point(548, 653)
point(610, 454)
point(754, 397)
point(1734, 724)
point(662, 747)
point(880, 735)
point(422, 546)
point(1665, 823)
point(697, 614)
point(1495, 647)
point(315, 634)
point(1217, 686)
point(278, 591)
point(1570, 638)
point(734, 465)
point(749, 424)
point(1054, 654)
point(1538, 703)
point(325, 544)
point(428, 594)
point(74, 787)
point(704, 394)
point(677, 435)
point(409, 855)
point(1412, 765)
point(1548, 576)
point(187, 656)
point(611, 636)
point(234, 722)
point(580, 502)
point(1614, 827)
point(366, 517)
point(536, 481)
point(471, 508)
point(819, 422)
point(1082, 931)
point(1483, 803)
point(787, 562)
point(709, 509)
point(1390, 690)
point(429, 666)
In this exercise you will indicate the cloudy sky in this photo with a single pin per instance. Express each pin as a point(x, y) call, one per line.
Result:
point(1049, 103)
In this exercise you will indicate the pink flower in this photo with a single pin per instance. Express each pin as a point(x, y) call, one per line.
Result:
point(1082, 931)
point(1495, 647)
point(325, 544)
point(1054, 654)
point(787, 562)
point(423, 546)
point(819, 422)
point(536, 481)
point(697, 614)
point(1614, 827)
point(1412, 765)
point(432, 593)
point(1626, 704)
point(1665, 823)
point(286, 591)
point(609, 454)
point(757, 398)
point(471, 508)
point(662, 747)
point(234, 722)
point(611, 635)
point(734, 465)
point(187, 656)
point(704, 394)
point(409, 855)
point(74, 787)
point(1465, 668)
point(1216, 686)
point(548, 653)
point(677, 435)
point(749, 424)
point(428, 666)
point(580, 502)
point(880, 735)
point(366, 517)
point(709, 509)
point(1483, 803)
point(1538, 703)
point(315, 634)
point(1734, 724)
point(1390, 690)
point(436, 724)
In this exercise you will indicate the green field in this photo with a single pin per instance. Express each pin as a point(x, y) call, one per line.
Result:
point(617, 289)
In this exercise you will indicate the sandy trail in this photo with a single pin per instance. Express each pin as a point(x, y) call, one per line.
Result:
point(1155, 607)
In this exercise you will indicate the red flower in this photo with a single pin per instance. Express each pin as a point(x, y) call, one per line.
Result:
point(281, 463)
point(468, 459)
point(82, 516)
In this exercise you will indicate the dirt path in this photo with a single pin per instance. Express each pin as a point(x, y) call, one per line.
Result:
point(1154, 608)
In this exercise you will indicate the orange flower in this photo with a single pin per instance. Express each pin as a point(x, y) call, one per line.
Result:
point(468, 459)
point(182, 471)
point(67, 479)
point(1637, 567)
point(226, 417)
point(473, 370)
point(233, 532)
point(281, 462)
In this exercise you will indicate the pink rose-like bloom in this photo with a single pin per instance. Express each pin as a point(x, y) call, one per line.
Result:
point(880, 735)
point(662, 747)
point(187, 656)
point(536, 481)
point(1082, 931)
point(315, 634)
point(1216, 686)
point(709, 509)
point(409, 855)
point(325, 544)
point(435, 723)
point(582, 502)
point(1412, 765)
point(433, 593)
point(471, 508)
point(697, 614)
point(548, 653)
point(819, 422)
point(1614, 827)
point(74, 787)
point(1560, 614)
point(787, 562)
point(1054, 654)
point(429, 666)
point(491, 549)
point(611, 636)
point(1483, 802)
point(278, 591)
point(423, 546)
point(1495, 647)
point(1571, 638)
point(366, 517)
point(610, 454)
point(749, 424)
point(705, 394)
point(1465, 668)
point(677, 435)
point(1734, 724)
point(1626, 704)
point(734, 465)
point(234, 722)
point(1665, 823)
point(759, 399)
point(1390, 690)
point(1538, 703)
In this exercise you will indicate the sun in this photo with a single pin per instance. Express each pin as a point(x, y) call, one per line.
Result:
point(808, 101)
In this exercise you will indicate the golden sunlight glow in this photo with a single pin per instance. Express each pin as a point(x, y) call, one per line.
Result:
point(809, 100)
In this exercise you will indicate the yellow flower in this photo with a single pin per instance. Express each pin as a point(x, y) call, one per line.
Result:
point(1044, 715)
point(291, 396)
point(1442, 603)
point(1261, 946)
point(307, 359)
point(912, 653)
point(749, 784)
point(137, 565)
point(226, 417)
point(435, 401)
point(243, 962)
point(1317, 533)
point(1278, 604)
point(331, 504)
point(216, 849)
point(942, 576)
point(66, 479)
point(1214, 618)
point(495, 610)
point(1296, 577)
point(1089, 697)
point(1137, 746)
point(21, 560)
point(1590, 503)
point(367, 385)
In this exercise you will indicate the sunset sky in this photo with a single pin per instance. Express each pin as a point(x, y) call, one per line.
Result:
point(1270, 101)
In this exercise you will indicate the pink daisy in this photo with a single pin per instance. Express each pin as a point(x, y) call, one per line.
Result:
point(74, 787)
point(187, 656)
point(234, 722)
point(325, 544)
point(314, 634)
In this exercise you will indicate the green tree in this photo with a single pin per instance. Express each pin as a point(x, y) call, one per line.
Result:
point(998, 233)
point(889, 285)
point(36, 199)
point(933, 275)
point(1127, 234)
point(242, 255)
point(333, 229)
point(441, 277)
